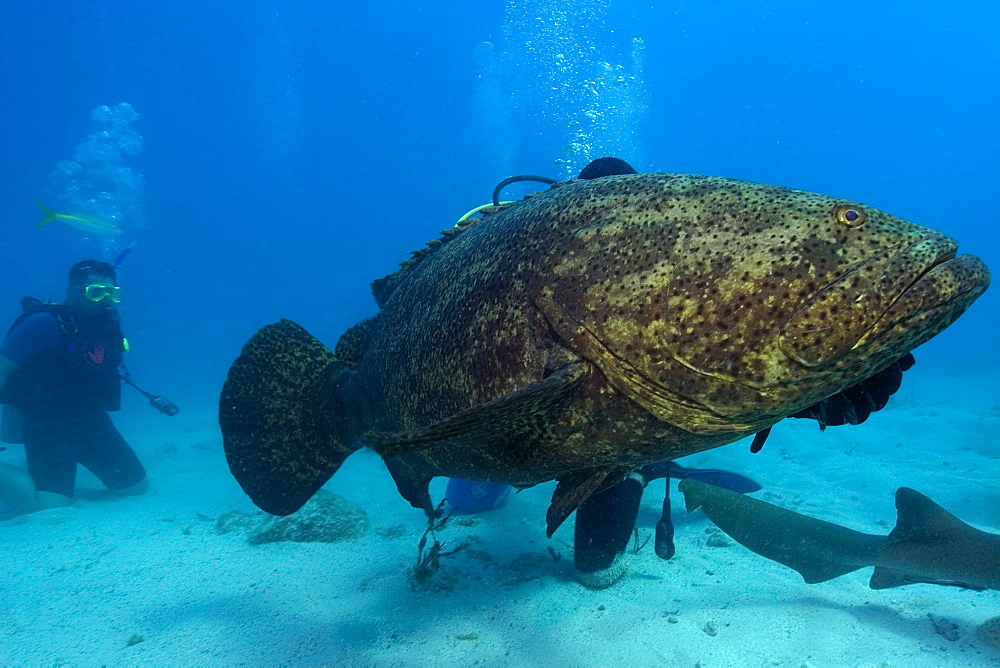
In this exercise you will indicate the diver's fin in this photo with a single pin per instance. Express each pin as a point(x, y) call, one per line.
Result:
point(575, 488)
point(281, 417)
point(718, 477)
point(818, 550)
point(48, 214)
point(521, 416)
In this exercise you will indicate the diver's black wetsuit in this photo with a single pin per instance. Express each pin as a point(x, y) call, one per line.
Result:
point(66, 382)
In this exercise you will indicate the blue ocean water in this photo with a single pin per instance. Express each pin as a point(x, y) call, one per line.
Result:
point(283, 154)
point(293, 151)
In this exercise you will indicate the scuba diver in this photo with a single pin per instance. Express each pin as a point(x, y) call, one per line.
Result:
point(605, 522)
point(59, 376)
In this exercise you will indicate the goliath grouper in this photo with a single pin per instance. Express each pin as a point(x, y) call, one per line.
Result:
point(594, 328)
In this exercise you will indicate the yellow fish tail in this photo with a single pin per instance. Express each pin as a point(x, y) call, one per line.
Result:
point(49, 214)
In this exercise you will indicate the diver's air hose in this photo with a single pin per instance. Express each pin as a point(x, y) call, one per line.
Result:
point(515, 179)
point(500, 186)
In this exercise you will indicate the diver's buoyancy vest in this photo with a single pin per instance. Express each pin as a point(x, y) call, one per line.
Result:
point(81, 372)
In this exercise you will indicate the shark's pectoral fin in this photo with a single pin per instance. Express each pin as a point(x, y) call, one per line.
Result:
point(886, 578)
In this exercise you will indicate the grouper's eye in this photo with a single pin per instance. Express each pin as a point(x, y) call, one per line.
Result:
point(851, 216)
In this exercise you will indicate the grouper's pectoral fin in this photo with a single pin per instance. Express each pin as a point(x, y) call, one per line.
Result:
point(575, 488)
point(522, 417)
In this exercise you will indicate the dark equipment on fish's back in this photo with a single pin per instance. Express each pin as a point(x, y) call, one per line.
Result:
point(158, 402)
point(594, 169)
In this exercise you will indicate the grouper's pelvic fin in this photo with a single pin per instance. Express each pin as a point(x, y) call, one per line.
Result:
point(575, 488)
point(282, 419)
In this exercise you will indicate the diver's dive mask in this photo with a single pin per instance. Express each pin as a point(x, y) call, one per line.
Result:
point(98, 292)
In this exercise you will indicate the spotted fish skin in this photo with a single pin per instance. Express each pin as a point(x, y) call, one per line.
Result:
point(717, 306)
point(632, 319)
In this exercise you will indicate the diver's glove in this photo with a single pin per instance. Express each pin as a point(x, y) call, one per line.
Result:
point(855, 404)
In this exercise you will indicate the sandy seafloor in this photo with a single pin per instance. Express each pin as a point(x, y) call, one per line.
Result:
point(79, 583)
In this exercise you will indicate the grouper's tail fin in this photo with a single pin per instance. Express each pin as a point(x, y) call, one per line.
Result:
point(282, 417)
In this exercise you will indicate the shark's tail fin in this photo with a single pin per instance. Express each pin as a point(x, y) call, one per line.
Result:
point(818, 550)
point(48, 215)
point(282, 417)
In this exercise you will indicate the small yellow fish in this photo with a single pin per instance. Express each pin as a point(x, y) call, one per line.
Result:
point(81, 220)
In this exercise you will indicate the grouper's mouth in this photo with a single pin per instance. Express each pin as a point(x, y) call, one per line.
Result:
point(902, 297)
point(933, 299)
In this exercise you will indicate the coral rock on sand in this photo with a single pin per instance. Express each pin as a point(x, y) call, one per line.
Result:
point(326, 518)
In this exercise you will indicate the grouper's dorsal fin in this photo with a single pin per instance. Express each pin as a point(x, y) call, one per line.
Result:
point(383, 288)
point(515, 420)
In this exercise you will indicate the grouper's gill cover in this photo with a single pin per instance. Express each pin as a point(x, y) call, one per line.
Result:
point(716, 303)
